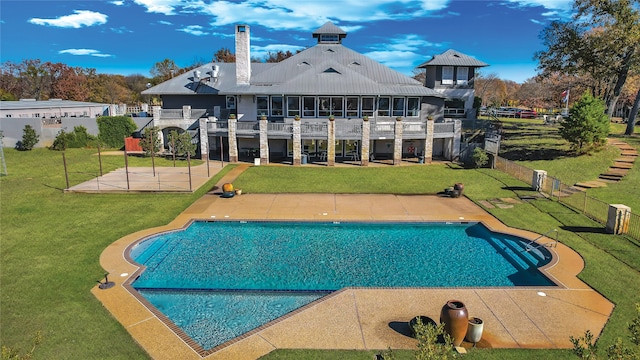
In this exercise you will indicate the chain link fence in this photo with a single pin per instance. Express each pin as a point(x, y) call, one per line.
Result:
point(595, 209)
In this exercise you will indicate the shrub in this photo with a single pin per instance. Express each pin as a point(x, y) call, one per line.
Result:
point(79, 138)
point(479, 157)
point(61, 141)
point(29, 138)
point(113, 130)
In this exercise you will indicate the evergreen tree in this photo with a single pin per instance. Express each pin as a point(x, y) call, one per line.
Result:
point(29, 138)
point(587, 124)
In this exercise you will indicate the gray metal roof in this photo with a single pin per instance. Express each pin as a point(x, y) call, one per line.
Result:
point(46, 104)
point(329, 28)
point(324, 69)
point(453, 58)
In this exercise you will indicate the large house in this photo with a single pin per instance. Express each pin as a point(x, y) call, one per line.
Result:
point(327, 103)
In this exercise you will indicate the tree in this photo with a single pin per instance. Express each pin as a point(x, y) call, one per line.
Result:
point(29, 138)
point(150, 141)
point(224, 55)
point(164, 70)
point(587, 124)
point(181, 144)
point(274, 57)
point(602, 42)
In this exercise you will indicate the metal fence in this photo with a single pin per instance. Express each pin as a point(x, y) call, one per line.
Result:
point(595, 209)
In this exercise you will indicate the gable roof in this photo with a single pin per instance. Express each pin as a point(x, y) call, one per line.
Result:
point(453, 58)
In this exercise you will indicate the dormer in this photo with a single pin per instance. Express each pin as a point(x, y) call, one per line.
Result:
point(329, 34)
point(450, 70)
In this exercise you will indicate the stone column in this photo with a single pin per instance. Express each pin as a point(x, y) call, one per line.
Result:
point(264, 142)
point(457, 138)
point(397, 143)
point(331, 143)
point(156, 113)
point(428, 142)
point(204, 139)
point(539, 180)
point(297, 143)
point(364, 145)
point(186, 112)
point(618, 219)
point(233, 140)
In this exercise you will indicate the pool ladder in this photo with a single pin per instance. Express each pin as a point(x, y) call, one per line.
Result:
point(530, 246)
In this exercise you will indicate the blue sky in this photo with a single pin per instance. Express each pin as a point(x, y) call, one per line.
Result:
point(130, 36)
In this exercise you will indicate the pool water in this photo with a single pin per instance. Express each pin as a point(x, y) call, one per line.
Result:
point(218, 280)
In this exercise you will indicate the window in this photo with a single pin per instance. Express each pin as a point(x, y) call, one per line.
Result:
point(462, 75)
point(242, 28)
point(231, 102)
point(330, 106)
point(398, 106)
point(277, 106)
point(328, 38)
point(447, 74)
point(367, 106)
point(309, 103)
point(352, 107)
point(324, 106)
point(337, 107)
point(413, 106)
point(383, 106)
point(262, 105)
point(293, 106)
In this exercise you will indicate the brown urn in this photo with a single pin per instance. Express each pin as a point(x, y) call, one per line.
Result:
point(456, 320)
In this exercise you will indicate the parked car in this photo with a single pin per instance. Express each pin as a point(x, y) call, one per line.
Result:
point(505, 112)
point(526, 114)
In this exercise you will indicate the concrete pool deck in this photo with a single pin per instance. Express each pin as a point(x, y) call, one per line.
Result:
point(366, 318)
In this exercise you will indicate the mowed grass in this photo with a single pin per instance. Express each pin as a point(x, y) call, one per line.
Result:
point(51, 243)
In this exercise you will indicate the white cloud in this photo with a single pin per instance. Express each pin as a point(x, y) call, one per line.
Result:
point(164, 22)
point(297, 14)
point(78, 19)
point(117, 2)
point(166, 7)
point(121, 30)
point(537, 22)
point(557, 8)
point(196, 30)
point(410, 42)
point(400, 60)
point(84, 52)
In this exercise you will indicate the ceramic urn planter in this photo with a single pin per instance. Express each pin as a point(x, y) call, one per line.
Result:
point(474, 332)
point(456, 320)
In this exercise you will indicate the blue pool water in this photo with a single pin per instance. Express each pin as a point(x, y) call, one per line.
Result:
point(218, 280)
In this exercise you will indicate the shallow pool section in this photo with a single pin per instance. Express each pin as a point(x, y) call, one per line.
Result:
point(218, 280)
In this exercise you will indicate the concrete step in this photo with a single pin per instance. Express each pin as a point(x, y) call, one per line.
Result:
point(628, 159)
point(622, 165)
point(590, 184)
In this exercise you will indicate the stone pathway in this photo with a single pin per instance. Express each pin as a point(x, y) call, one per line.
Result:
point(617, 171)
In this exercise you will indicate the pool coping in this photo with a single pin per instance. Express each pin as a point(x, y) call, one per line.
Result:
point(163, 340)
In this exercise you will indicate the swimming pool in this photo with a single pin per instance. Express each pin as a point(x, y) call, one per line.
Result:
point(218, 280)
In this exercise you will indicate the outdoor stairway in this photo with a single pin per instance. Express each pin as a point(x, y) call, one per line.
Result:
point(617, 171)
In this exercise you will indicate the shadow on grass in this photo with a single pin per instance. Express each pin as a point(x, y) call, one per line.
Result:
point(585, 229)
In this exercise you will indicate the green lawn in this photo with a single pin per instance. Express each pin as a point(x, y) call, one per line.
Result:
point(51, 243)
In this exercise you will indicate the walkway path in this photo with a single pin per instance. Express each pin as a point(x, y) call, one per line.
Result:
point(617, 171)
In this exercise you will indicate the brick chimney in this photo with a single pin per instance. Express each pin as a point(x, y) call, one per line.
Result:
point(243, 55)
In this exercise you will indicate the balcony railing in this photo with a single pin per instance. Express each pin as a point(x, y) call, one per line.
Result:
point(347, 129)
